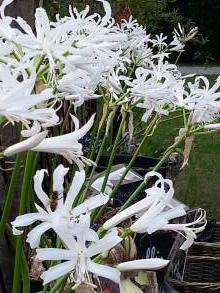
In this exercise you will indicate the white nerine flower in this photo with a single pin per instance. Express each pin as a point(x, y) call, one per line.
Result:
point(17, 103)
point(77, 257)
point(156, 200)
point(67, 145)
point(180, 38)
point(25, 145)
point(79, 86)
point(188, 230)
point(203, 100)
point(57, 214)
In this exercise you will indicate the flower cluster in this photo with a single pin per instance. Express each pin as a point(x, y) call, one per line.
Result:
point(47, 76)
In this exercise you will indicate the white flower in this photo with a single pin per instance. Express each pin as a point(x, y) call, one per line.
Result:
point(17, 103)
point(203, 101)
point(188, 230)
point(77, 257)
point(157, 199)
point(25, 145)
point(154, 86)
point(45, 42)
point(58, 214)
point(159, 42)
point(136, 47)
point(67, 145)
point(79, 86)
point(180, 38)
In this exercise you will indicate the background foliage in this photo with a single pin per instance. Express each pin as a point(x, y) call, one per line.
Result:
point(163, 16)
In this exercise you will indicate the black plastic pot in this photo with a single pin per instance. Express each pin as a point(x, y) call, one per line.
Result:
point(141, 166)
point(36, 286)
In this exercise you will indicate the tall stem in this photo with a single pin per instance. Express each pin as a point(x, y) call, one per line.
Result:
point(141, 187)
point(10, 194)
point(98, 212)
point(114, 149)
point(131, 163)
point(134, 157)
point(23, 201)
point(101, 149)
point(99, 133)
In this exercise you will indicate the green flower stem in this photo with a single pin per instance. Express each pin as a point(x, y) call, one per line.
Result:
point(54, 162)
point(99, 132)
point(59, 285)
point(10, 194)
point(23, 202)
point(141, 187)
point(153, 125)
point(88, 184)
point(96, 214)
point(66, 119)
point(114, 150)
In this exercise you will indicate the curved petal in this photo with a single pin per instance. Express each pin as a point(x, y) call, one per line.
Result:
point(90, 204)
point(143, 264)
point(104, 244)
point(104, 271)
point(138, 207)
point(58, 271)
point(55, 254)
point(78, 134)
point(25, 220)
point(34, 235)
point(65, 236)
point(58, 181)
point(58, 178)
point(38, 179)
point(75, 187)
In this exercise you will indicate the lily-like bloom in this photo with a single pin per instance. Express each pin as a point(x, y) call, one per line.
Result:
point(203, 100)
point(180, 38)
point(57, 214)
point(78, 257)
point(79, 86)
point(67, 145)
point(188, 230)
point(153, 86)
point(17, 103)
point(156, 200)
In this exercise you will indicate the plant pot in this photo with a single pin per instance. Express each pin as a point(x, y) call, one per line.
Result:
point(141, 166)
point(36, 286)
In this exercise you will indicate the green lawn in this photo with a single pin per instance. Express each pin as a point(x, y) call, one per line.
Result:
point(199, 183)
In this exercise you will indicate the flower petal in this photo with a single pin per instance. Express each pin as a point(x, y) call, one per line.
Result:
point(55, 254)
point(34, 235)
point(58, 178)
point(143, 264)
point(104, 244)
point(129, 212)
point(104, 271)
point(75, 187)
point(90, 204)
point(58, 271)
point(25, 220)
point(38, 179)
